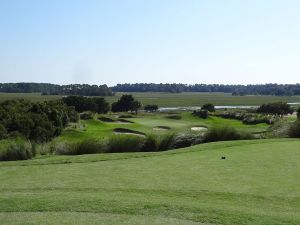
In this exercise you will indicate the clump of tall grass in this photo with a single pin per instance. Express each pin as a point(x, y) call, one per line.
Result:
point(294, 131)
point(165, 141)
point(18, 149)
point(150, 144)
point(125, 143)
point(87, 146)
point(132, 143)
point(225, 134)
point(154, 142)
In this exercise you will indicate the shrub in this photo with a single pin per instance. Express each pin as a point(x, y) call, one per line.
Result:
point(186, 140)
point(86, 115)
point(298, 113)
point(277, 108)
point(16, 150)
point(39, 122)
point(151, 108)
point(61, 148)
point(246, 117)
point(3, 132)
point(209, 107)
point(294, 131)
point(203, 113)
point(225, 134)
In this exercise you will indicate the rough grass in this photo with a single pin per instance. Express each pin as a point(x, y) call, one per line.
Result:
point(258, 183)
point(173, 100)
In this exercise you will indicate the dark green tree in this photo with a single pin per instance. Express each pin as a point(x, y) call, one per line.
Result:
point(151, 108)
point(209, 107)
point(276, 108)
point(126, 103)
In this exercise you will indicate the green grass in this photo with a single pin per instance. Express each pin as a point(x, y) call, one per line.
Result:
point(173, 100)
point(258, 183)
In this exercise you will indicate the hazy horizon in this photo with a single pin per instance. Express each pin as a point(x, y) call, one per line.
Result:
point(110, 42)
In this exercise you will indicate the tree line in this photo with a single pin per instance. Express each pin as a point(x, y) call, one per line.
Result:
point(104, 90)
point(54, 89)
point(259, 89)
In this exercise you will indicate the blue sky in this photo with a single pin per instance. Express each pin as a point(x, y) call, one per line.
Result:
point(114, 41)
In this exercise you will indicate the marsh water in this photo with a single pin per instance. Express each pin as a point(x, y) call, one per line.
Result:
point(192, 108)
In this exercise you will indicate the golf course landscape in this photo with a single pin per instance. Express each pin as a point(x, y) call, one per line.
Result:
point(165, 112)
point(156, 168)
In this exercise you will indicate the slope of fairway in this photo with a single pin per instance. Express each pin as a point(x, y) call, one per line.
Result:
point(257, 183)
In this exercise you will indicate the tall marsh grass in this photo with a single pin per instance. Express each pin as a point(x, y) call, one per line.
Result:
point(17, 149)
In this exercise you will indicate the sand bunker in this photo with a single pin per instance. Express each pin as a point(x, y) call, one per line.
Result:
point(119, 121)
point(199, 129)
point(161, 128)
point(127, 131)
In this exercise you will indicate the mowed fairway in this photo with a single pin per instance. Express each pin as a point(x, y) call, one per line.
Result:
point(258, 183)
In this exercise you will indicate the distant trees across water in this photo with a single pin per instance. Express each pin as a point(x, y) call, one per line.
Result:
point(263, 89)
point(54, 89)
point(104, 90)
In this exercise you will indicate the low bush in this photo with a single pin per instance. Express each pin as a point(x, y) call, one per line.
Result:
point(87, 116)
point(203, 113)
point(62, 148)
point(18, 149)
point(209, 107)
point(186, 140)
point(246, 117)
point(294, 131)
point(151, 108)
point(225, 134)
point(3, 132)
